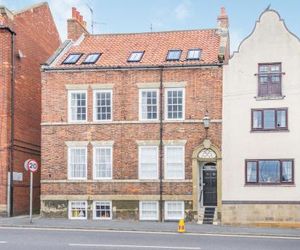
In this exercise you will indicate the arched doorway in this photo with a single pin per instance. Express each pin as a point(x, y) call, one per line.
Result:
point(207, 179)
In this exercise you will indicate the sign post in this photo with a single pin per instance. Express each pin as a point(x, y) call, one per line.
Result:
point(32, 166)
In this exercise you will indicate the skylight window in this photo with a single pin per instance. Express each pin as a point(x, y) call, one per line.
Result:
point(193, 54)
point(136, 56)
point(72, 58)
point(91, 58)
point(173, 55)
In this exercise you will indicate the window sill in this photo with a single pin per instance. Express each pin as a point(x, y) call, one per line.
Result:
point(263, 98)
point(270, 185)
point(269, 131)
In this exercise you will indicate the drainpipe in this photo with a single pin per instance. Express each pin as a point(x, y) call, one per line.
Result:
point(12, 135)
point(161, 144)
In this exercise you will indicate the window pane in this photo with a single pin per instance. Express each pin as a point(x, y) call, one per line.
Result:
point(72, 59)
point(103, 162)
point(135, 56)
point(281, 118)
point(149, 105)
point(269, 171)
point(77, 162)
point(174, 210)
point(175, 104)
point(103, 105)
point(78, 106)
point(257, 119)
point(92, 58)
point(103, 209)
point(148, 163)
point(78, 209)
point(174, 162)
point(148, 210)
point(251, 171)
point(193, 54)
point(174, 55)
point(269, 119)
point(287, 171)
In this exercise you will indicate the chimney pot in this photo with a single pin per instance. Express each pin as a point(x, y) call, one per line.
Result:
point(223, 22)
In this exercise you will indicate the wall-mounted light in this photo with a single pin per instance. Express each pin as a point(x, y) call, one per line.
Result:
point(206, 120)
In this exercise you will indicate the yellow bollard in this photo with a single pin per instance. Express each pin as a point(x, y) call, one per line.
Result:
point(181, 226)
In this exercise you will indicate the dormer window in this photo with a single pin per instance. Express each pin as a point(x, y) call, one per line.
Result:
point(72, 58)
point(174, 55)
point(193, 54)
point(135, 56)
point(269, 79)
point(91, 58)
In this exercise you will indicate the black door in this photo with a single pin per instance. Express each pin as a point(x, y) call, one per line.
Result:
point(209, 188)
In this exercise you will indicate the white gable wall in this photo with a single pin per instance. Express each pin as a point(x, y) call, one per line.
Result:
point(270, 42)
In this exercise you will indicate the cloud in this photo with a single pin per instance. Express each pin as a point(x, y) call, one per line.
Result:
point(182, 10)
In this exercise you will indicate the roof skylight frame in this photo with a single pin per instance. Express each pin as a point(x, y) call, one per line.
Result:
point(132, 58)
point(188, 57)
point(179, 51)
point(67, 60)
point(97, 54)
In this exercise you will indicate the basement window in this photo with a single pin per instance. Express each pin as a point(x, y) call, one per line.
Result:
point(135, 56)
point(102, 210)
point(148, 210)
point(72, 58)
point(78, 210)
point(174, 210)
point(91, 58)
point(193, 54)
point(174, 55)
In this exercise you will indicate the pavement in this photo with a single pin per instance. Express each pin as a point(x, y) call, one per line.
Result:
point(143, 226)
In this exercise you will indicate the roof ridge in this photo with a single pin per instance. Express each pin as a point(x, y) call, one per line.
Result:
point(151, 32)
point(36, 5)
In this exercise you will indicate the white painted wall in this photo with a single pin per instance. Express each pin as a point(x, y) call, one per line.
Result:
point(269, 42)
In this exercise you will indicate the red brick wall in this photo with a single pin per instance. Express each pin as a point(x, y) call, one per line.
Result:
point(203, 91)
point(37, 39)
point(5, 77)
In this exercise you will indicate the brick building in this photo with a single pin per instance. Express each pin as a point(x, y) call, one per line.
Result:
point(131, 124)
point(27, 38)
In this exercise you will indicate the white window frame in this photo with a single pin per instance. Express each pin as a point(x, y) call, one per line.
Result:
point(167, 217)
point(140, 170)
point(70, 211)
point(101, 218)
point(70, 92)
point(166, 104)
point(182, 177)
point(69, 162)
point(95, 91)
point(147, 218)
point(94, 162)
point(141, 104)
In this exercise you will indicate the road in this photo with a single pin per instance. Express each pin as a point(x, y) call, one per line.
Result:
point(73, 239)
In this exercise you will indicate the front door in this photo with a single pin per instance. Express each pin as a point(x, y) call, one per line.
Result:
point(209, 185)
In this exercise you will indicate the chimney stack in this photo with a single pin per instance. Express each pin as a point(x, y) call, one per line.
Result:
point(76, 25)
point(223, 25)
point(223, 22)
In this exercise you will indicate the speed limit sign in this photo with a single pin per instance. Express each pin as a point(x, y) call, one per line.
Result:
point(31, 165)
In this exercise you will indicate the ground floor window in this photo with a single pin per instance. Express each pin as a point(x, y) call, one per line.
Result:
point(148, 210)
point(77, 209)
point(269, 171)
point(102, 210)
point(174, 210)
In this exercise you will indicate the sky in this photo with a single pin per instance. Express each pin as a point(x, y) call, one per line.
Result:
point(126, 16)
